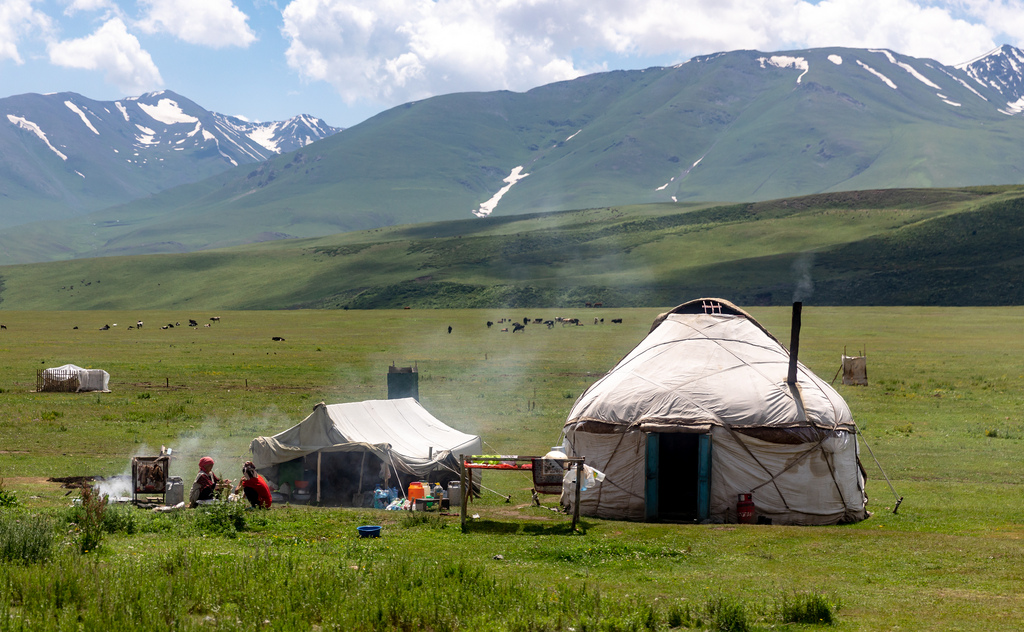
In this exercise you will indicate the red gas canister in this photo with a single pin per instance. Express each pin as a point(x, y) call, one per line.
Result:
point(745, 509)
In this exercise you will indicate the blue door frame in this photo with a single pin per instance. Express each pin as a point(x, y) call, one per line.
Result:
point(651, 475)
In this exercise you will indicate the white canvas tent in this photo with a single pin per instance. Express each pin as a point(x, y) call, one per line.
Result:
point(355, 446)
point(73, 379)
point(700, 412)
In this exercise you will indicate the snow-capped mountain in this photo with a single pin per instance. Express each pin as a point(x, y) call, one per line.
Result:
point(1001, 70)
point(63, 154)
point(741, 126)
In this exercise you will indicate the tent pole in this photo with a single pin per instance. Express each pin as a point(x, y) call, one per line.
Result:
point(362, 465)
point(462, 489)
point(576, 504)
point(318, 455)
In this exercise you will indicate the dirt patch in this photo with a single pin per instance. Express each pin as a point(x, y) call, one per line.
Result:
point(13, 451)
point(73, 482)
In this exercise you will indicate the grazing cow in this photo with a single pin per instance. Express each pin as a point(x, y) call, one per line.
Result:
point(206, 325)
point(104, 327)
point(278, 338)
point(537, 321)
point(549, 323)
point(597, 304)
point(215, 319)
point(3, 326)
point(489, 323)
point(138, 324)
point(517, 327)
point(169, 326)
point(192, 323)
point(130, 327)
point(164, 327)
point(505, 329)
point(617, 320)
point(595, 321)
point(449, 329)
point(75, 327)
point(588, 305)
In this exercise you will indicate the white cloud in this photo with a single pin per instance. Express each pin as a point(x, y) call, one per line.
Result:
point(17, 19)
point(74, 6)
point(398, 50)
point(213, 23)
point(113, 50)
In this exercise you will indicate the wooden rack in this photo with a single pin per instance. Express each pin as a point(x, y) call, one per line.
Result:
point(511, 464)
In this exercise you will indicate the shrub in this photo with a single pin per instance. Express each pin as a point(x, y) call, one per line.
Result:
point(727, 614)
point(26, 539)
point(223, 518)
point(120, 519)
point(806, 608)
point(7, 496)
point(91, 526)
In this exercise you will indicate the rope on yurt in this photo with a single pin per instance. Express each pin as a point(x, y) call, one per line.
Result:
point(771, 480)
point(795, 461)
point(899, 499)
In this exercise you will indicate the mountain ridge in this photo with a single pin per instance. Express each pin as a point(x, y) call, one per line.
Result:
point(65, 154)
point(730, 127)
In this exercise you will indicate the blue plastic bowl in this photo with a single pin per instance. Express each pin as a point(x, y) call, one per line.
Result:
point(369, 531)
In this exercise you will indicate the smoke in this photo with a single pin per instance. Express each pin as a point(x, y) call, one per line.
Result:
point(120, 485)
point(802, 277)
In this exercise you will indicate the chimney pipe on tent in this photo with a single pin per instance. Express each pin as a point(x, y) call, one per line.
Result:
point(794, 342)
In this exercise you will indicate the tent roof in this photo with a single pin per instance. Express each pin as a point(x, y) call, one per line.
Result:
point(394, 429)
point(714, 366)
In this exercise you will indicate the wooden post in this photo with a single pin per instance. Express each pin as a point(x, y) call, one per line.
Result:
point(318, 454)
point(462, 489)
point(362, 465)
point(576, 505)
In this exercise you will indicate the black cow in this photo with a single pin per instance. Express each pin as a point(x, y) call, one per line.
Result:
point(489, 323)
point(517, 327)
point(278, 338)
point(192, 323)
point(617, 320)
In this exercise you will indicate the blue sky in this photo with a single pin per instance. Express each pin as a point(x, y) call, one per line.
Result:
point(347, 60)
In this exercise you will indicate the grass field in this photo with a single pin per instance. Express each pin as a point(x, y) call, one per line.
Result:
point(943, 415)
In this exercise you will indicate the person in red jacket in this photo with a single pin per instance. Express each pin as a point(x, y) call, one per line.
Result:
point(257, 492)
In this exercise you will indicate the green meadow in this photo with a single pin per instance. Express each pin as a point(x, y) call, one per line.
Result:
point(943, 414)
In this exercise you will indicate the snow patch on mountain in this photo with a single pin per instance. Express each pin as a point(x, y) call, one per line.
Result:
point(488, 207)
point(264, 136)
point(887, 81)
point(74, 108)
point(123, 110)
point(784, 61)
point(167, 111)
point(28, 125)
point(905, 66)
point(836, 59)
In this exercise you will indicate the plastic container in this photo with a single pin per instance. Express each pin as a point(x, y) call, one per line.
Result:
point(380, 498)
point(175, 492)
point(416, 490)
point(369, 531)
point(454, 494)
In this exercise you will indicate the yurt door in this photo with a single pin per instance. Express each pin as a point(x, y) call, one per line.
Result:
point(678, 476)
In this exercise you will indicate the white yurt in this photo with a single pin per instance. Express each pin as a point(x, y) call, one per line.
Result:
point(706, 408)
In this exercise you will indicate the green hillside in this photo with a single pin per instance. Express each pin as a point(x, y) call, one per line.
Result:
point(732, 127)
point(889, 247)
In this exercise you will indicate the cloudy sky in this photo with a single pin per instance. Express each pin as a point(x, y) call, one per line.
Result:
point(345, 60)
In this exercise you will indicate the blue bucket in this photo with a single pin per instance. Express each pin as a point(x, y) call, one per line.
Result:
point(369, 531)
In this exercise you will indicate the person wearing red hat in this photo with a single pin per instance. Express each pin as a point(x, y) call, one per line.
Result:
point(205, 483)
point(257, 492)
